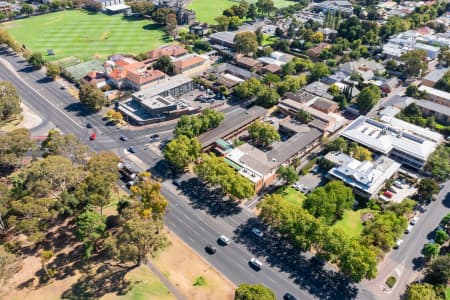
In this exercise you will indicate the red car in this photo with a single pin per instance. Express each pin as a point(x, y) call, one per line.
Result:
point(388, 194)
point(93, 136)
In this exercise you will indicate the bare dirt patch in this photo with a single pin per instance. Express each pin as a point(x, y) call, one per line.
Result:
point(182, 266)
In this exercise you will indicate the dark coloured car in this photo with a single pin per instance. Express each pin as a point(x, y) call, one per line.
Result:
point(289, 296)
point(210, 249)
point(89, 125)
point(123, 138)
point(131, 150)
point(155, 138)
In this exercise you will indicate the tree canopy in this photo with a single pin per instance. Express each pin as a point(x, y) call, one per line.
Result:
point(195, 125)
point(439, 163)
point(248, 89)
point(414, 63)
point(246, 42)
point(263, 134)
point(247, 291)
point(421, 291)
point(216, 172)
point(9, 101)
point(91, 227)
point(288, 174)
point(426, 189)
point(181, 151)
point(92, 97)
point(329, 201)
point(367, 99)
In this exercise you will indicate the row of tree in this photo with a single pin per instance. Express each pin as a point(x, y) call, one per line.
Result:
point(196, 125)
point(306, 231)
point(216, 172)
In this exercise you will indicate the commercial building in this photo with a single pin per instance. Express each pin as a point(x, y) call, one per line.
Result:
point(223, 38)
point(409, 144)
point(407, 41)
point(172, 51)
point(114, 6)
point(260, 166)
point(191, 64)
point(159, 102)
point(366, 178)
point(345, 8)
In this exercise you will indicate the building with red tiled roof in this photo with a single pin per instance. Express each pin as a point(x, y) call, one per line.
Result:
point(168, 50)
point(96, 78)
point(133, 75)
point(191, 64)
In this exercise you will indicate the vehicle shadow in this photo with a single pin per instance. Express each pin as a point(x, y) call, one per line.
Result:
point(309, 273)
point(208, 199)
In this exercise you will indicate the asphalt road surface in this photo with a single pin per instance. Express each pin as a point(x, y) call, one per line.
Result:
point(197, 215)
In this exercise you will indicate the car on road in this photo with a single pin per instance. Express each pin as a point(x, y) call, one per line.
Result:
point(63, 87)
point(224, 240)
point(256, 263)
point(93, 136)
point(89, 125)
point(397, 245)
point(408, 229)
point(155, 138)
point(210, 249)
point(123, 138)
point(131, 149)
point(257, 232)
point(414, 220)
point(289, 296)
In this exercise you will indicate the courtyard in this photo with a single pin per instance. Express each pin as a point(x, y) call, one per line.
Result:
point(85, 35)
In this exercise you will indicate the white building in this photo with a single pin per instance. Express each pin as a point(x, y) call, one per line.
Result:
point(365, 177)
point(409, 144)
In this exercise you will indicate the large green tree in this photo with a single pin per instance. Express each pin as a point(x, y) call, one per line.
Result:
point(384, 230)
point(66, 145)
point(9, 101)
point(13, 146)
point(267, 97)
point(53, 71)
point(414, 63)
point(439, 270)
point(216, 172)
point(367, 99)
point(288, 174)
point(247, 291)
point(248, 89)
point(148, 192)
point(196, 125)
point(164, 64)
point(318, 71)
point(92, 97)
point(263, 134)
point(439, 163)
point(330, 201)
point(36, 60)
point(265, 6)
point(421, 291)
point(430, 250)
point(426, 189)
point(246, 42)
point(138, 236)
point(90, 228)
point(181, 151)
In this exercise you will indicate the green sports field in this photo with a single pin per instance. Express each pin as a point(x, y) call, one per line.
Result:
point(85, 35)
point(208, 10)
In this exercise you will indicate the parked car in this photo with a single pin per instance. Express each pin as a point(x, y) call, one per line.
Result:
point(224, 240)
point(256, 263)
point(397, 245)
point(93, 136)
point(257, 232)
point(131, 149)
point(210, 249)
point(408, 229)
point(289, 296)
point(414, 220)
point(123, 138)
point(89, 125)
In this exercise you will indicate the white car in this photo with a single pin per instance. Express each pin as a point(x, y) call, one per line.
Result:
point(397, 245)
point(224, 240)
point(414, 220)
point(256, 263)
point(257, 232)
point(408, 229)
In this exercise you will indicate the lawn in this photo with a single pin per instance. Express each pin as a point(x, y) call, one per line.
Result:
point(292, 195)
point(85, 35)
point(208, 10)
point(268, 39)
point(447, 293)
point(351, 222)
point(145, 285)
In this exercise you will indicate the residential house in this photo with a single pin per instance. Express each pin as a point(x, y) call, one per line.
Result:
point(314, 52)
point(98, 79)
point(248, 63)
point(434, 76)
point(435, 95)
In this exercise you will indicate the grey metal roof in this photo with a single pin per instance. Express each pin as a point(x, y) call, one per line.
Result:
point(436, 75)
